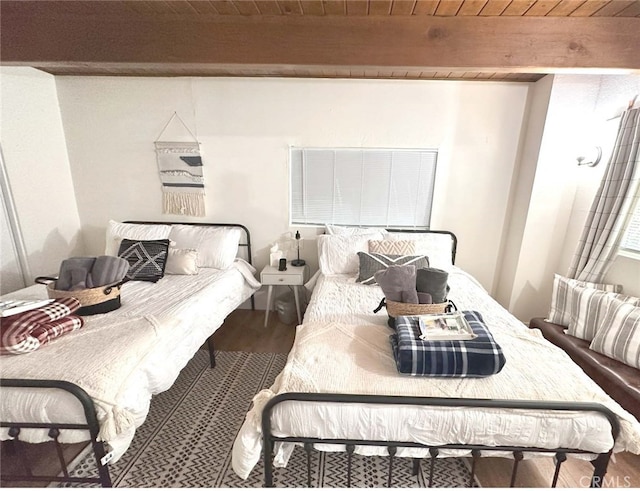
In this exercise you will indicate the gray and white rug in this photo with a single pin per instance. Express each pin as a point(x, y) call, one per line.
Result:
point(187, 438)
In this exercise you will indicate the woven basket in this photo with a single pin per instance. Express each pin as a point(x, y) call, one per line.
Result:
point(92, 300)
point(395, 309)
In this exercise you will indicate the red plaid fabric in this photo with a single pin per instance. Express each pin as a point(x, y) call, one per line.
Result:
point(26, 332)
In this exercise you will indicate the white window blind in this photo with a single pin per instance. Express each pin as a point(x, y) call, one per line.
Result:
point(362, 186)
point(631, 237)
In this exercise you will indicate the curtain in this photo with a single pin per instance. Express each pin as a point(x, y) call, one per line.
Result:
point(612, 205)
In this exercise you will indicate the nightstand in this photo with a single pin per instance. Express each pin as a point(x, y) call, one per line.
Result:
point(294, 276)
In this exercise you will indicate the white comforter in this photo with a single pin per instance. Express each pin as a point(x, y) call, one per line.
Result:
point(341, 348)
point(123, 357)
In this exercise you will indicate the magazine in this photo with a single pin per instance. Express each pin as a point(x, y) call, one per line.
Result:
point(449, 327)
point(12, 307)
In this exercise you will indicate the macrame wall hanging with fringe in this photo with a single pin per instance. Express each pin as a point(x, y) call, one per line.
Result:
point(180, 167)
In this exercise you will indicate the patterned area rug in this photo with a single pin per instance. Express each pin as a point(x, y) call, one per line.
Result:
point(187, 438)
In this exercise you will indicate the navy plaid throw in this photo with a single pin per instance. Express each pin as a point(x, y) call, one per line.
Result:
point(479, 357)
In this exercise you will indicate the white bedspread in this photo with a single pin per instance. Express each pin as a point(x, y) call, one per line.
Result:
point(123, 357)
point(341, 348)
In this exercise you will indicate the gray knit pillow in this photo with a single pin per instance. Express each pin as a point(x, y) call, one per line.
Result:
point(371, 263)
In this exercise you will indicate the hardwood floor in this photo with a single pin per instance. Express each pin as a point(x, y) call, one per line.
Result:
point(244, 331)
point(42, 460)
point(537, 473)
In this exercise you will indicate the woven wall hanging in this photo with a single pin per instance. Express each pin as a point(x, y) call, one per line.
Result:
point(180, 167)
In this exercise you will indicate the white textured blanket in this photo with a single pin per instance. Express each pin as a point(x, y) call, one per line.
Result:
point(349, 355)
point(123, 357)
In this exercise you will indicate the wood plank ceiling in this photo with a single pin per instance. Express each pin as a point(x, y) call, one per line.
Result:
point(518, 40)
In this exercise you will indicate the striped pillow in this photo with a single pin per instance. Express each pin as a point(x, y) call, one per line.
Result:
point(562, 297)
point(588, 309)
point(370, 264)
point(619, 336)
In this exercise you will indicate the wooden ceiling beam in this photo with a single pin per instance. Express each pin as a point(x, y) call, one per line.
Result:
point(195, 69)
point(514, 43)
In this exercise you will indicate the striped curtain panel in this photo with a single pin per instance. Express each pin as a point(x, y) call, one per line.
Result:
point(612, 205)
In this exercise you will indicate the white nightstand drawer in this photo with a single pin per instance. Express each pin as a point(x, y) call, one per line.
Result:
point(291, 276)
point(281, 279)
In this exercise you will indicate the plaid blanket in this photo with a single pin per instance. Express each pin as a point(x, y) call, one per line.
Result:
point(478, 357)
point(26, 332)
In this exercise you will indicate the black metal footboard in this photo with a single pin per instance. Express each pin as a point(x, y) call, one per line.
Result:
point(600, 464)
point(91, 426)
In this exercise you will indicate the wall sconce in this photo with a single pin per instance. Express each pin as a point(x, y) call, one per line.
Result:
point(592, 158)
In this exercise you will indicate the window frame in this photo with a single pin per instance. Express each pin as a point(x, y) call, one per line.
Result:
point(433, 150)
point(623, 251)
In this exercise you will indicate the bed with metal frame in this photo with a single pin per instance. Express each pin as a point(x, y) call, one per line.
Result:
point(600, 463)
point(271, 437)
point(92, 425)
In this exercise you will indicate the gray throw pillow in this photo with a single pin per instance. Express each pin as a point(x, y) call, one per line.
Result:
point(371, 263)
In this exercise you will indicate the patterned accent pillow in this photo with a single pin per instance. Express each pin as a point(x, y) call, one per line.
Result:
point(372, 263)
point(589, 308)
point(619, 335)
point(562, 297)
point(397, 247)
point(147, 258)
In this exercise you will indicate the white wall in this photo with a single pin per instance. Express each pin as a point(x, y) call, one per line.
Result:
point(562, 192)
point(246, 126)
point(570, 104)
point(15, 272)
point(507, 180)
point(523, 181)
point(35, 155)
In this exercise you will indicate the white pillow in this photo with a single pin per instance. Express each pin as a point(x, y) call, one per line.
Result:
point(341, 230)
point(338, 254)
point(117, 231)
point(437, 247)
point(217, 246)
point(182, 261)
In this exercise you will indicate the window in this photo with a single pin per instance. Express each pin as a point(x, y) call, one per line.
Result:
point(631, 238)
point(362, 186)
